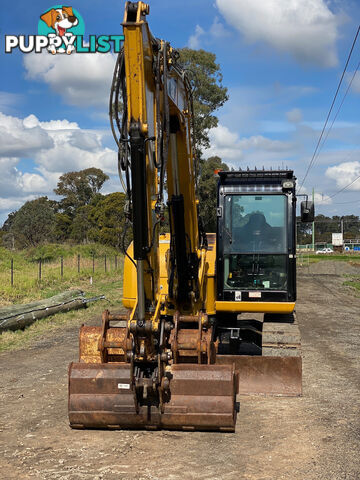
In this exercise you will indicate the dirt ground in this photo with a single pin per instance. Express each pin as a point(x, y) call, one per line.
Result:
point(316, 436)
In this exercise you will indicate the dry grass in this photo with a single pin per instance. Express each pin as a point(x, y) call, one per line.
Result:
point(27, 287)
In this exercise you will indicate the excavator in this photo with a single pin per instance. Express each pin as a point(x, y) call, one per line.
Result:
point(208, 315)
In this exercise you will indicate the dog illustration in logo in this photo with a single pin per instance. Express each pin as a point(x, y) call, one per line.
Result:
point(60, 20)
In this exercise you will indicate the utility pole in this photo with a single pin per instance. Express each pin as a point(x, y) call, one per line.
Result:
point(313, 223)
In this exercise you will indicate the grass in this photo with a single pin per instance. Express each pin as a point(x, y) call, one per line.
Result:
point(313, 258)
point(352, 258)
point(27, 288)
point(26, 283)
point(353, 282)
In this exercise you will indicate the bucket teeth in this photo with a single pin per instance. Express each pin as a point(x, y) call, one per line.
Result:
point(202, 397)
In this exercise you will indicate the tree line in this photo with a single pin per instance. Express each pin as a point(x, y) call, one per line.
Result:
point(84, 214)
point(325, 226)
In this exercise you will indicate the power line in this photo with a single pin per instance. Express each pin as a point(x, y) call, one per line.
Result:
point(329, 113)
point(346, 186)
point(347, 203)
point(338, 110)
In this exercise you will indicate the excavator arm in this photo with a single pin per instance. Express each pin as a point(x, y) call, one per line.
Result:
point(158, 116)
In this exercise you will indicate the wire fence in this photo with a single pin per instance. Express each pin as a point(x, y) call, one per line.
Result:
point(17, 273)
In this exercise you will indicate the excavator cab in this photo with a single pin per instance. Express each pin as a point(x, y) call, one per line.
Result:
point(256, 280)
point(256, 249)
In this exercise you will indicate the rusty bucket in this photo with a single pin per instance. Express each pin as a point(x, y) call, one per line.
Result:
point(258, 375)
point(278, 371)
point(202, 397)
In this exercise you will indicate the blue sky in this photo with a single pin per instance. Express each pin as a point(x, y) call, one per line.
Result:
point(281, 61)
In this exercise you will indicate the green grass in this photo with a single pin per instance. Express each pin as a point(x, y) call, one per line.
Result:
point(108, 285)
point(353, 282)
point(26, 283)
point(27, 287)
point(313, 258)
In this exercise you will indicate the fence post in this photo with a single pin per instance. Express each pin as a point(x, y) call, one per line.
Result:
point(39, 268)
point(93, 260)
point(78, 262)
point(62, 266)
point(105, 263)
point(12, 272)
point(115, 262)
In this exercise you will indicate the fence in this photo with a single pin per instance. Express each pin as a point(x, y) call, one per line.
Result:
point(63, 268)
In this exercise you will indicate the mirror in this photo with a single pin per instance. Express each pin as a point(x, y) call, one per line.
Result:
point(307, 211)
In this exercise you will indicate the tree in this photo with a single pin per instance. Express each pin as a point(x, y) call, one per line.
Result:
point(8, 238)
point(34, 223)
point(107, 219)
point(8, 222)
point(63, 223)
point(78, 188)
point(209, 94)
point(81, 224)
point(207, 191)
point(325, 226)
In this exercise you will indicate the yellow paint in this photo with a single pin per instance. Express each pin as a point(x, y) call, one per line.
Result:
point(255, 307)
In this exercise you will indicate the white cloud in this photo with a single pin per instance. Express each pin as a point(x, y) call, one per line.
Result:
point(259, 142)
point(194, 40)
point(10, 204)
point(306, 29)
point(224, 143)
point(258, 104)
point(76, 149)
point(51, 148)
point(294, 115)
point(32, 121)
point(256, 149)
point(344, 174)
point(215, 32)
point(19, 138)
point(14, 184)
point(80, 79)
point(217, 29)
point(57, 145)
point(322, 199)
point(32, 182)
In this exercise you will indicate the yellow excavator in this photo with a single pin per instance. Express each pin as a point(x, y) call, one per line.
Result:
point(208, 315)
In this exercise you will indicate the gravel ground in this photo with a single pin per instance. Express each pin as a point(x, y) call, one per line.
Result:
point(313, 437)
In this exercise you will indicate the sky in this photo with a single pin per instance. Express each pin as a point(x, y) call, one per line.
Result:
point(281, 61)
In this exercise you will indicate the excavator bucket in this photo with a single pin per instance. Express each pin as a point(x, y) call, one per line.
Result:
point(202, 397)
point(278, 371)
point(257, 375)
